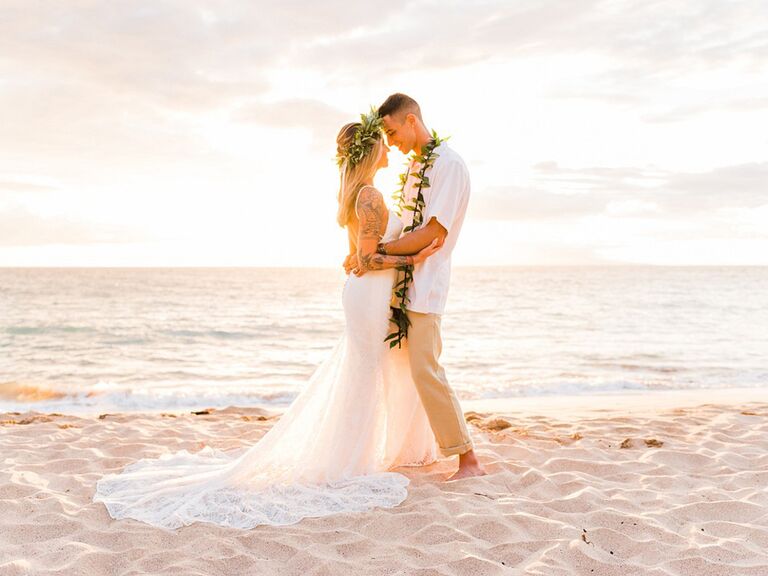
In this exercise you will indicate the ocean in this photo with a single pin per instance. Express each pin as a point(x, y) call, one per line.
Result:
point(129, 339)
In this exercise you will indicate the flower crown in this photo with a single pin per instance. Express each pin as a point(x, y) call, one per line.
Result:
point(362, 143)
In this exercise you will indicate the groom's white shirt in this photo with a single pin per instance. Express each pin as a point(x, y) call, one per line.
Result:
point(446, 200)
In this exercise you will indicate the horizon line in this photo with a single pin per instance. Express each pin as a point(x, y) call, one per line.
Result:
point(459, 266)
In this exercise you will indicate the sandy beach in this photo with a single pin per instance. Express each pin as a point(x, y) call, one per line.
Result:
point(658, 484)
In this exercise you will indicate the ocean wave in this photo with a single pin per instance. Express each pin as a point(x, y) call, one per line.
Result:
point(506, 333)
point(114, 397)
point(223, 334)
point(17, 392)
point(566, 388)
point(127, 341)
point(634, 367)
point(255, 332)
point(38, 330)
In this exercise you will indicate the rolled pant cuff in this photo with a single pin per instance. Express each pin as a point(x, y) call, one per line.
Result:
point(458, 449)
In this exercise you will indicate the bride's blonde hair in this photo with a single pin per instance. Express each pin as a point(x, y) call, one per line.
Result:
point(353, 176)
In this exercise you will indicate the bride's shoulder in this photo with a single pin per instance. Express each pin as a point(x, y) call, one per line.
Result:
point(369, 197)
point(369, 193)
point(369, 189)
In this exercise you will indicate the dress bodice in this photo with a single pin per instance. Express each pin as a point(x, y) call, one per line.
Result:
point(394, 227)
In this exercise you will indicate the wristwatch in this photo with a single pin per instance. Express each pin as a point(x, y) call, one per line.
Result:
point(380, 249)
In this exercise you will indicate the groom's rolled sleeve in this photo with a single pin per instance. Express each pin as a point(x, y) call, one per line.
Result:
point(448, 195)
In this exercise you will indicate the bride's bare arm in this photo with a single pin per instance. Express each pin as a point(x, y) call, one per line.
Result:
point(373, 221)
point(350, 261)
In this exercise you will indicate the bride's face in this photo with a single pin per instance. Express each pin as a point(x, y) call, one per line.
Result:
point(383, 158)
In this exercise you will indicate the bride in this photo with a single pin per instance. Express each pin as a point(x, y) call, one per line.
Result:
point(358, 417)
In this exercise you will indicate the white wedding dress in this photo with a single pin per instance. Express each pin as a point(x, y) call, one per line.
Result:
point(331, 451)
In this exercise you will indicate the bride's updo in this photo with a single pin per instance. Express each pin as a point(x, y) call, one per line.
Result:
point(353, 175)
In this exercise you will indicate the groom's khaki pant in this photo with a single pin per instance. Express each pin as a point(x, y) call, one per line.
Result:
point(437, 396)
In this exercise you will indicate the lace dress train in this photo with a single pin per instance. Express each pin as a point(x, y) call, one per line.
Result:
point(332, 450)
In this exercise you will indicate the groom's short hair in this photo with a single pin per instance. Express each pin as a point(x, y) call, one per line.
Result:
point(398, 105)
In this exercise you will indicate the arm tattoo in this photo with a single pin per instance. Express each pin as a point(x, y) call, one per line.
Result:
point(375, 261)
point(373, 214)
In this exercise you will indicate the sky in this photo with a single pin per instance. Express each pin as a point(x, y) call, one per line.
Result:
point(202, 133)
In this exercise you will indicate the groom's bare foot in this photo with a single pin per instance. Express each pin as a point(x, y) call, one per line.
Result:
point(469, 466)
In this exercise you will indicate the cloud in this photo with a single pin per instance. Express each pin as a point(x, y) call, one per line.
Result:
point(652, 39)
point(173, 54)
point(93, 84)
point(521, 203)
point(565, 193)
point(163, 104)
point(636, 54)
point(734, 104)
point(89, 63)
point(20, 227)
point(23, 186)
point(323, 120)
point(204, 55)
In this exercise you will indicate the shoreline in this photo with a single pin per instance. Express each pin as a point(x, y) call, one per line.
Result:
point(627, 401)
point(631, 402)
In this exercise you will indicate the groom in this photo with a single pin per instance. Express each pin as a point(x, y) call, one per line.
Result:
point(445, 205)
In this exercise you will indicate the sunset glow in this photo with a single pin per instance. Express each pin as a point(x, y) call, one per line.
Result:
point(145, 134)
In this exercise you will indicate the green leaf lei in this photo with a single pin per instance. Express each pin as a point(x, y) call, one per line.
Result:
point(427, 159)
